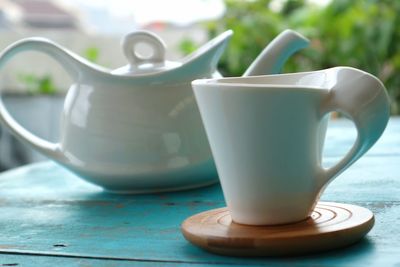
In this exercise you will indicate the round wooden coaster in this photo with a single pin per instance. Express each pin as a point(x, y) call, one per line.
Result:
point(331, 225)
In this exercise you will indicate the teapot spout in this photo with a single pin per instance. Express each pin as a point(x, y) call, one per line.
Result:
point(272, 58)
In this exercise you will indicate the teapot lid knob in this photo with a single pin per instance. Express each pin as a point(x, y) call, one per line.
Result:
point(140, 64)
point(129, 46)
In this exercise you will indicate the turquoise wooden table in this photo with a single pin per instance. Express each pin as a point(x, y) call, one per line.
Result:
point(49, 217)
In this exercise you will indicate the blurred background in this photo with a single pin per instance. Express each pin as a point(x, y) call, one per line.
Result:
point(360, 33)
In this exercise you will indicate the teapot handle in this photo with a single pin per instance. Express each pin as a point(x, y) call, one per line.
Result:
point(361, 97)
point(67, 60)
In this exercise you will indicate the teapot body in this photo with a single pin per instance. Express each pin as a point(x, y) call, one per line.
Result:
point(137, 129)
point(116, 128)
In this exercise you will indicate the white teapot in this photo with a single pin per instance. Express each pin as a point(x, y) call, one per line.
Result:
point(137, 129)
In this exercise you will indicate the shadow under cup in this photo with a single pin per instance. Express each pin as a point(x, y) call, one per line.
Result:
point(266, 134)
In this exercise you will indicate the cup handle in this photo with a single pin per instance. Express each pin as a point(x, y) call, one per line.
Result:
point(363, 98)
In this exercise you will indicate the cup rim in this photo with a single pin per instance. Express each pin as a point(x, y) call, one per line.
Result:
point(270, 81)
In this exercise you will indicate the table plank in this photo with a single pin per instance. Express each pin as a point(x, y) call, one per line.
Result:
point(51, 261)
point(46, 210)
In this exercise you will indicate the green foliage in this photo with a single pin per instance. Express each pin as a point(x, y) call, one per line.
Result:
point(38, 84)
point(187, 46)
point(92, 54)
point(363, 34)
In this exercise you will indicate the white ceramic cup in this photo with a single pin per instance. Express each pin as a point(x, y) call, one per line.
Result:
point(265, 136)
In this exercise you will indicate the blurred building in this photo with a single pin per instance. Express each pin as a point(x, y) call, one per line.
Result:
point(37, 14)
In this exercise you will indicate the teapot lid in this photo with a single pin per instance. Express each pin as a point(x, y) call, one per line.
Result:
point(139, 64)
